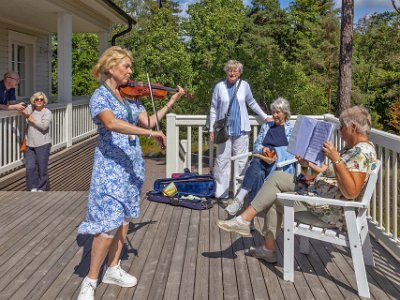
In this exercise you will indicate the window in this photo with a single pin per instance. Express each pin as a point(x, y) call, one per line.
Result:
point(18, 63)
point(21, 50)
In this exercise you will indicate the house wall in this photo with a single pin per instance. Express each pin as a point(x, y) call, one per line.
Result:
point(41, 56)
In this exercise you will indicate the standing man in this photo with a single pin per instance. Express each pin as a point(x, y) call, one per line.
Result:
point(7, 92)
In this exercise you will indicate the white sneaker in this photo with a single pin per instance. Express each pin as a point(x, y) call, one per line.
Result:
point(233, 225)
point(116, 275)
point(40, 190)
point(234, 207)
point(34, 190)
point(87, 291)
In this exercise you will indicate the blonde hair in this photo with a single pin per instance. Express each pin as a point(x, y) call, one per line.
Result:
point(233, 64)
point(110, 58)
point(359, 116)
point(37, 94)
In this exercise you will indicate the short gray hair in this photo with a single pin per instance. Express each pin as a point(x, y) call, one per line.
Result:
point(283, 105)
point(359, 116)
point(10, 73)
point(233, 64)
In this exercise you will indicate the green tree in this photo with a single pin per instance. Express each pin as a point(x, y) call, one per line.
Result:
point(84, 57)
point(212, 31)
point(377, 63)
point(158, 48)
point(316, 26)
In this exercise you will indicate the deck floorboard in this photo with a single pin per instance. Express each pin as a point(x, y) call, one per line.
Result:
point(175, 252)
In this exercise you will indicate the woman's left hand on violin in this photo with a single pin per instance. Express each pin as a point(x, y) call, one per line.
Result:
point(181, 92)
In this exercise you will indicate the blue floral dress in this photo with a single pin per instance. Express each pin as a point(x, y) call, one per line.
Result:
point(118, 171)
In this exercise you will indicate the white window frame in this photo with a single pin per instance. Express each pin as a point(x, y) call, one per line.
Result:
point(29, 43)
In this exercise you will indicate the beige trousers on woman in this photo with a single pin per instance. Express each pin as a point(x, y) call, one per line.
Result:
point(265, 202)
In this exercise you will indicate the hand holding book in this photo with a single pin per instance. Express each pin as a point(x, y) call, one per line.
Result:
point(308, 138)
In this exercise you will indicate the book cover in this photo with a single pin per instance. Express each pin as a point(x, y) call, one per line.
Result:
point(308, 137)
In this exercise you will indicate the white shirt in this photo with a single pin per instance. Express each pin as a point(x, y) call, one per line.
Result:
point(220, 104)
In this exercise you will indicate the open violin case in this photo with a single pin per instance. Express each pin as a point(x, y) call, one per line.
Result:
point(192, 190)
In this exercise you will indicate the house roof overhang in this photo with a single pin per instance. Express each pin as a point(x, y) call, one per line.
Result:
point(41, 15)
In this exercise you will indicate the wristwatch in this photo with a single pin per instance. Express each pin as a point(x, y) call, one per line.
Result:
point(336, 162)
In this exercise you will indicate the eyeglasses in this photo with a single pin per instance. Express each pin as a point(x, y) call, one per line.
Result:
point(39, 99)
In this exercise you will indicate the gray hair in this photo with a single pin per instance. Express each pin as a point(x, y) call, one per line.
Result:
point(233, 64)
point(359, 116)
point(11, 73)
point(283, 105)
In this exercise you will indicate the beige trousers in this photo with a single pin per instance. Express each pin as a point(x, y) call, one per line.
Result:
point(266, 204)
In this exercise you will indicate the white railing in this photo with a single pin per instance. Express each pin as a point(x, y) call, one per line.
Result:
point(12, 127)
point(384, 211)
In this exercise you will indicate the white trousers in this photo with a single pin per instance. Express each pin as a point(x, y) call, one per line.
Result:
point(222, 168)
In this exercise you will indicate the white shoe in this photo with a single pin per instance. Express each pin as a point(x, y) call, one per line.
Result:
point(40, 190)
point(116, 275)
point(233, 225)
point(87, 291)
point(34, 190)
point(234, 207)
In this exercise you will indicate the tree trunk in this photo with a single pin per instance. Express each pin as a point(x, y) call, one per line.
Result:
point(346, 51)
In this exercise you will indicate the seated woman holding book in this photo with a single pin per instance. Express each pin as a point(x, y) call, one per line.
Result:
point(269, 148)
point(343, 178)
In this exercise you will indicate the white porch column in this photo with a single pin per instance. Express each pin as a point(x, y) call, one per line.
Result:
point(104, 40)
point(172, 145)
point(64, 40)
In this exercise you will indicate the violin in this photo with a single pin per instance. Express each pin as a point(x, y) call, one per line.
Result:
point(134, 89)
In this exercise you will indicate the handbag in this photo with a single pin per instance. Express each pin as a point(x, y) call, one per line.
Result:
point(221, 130)
point(22, 146)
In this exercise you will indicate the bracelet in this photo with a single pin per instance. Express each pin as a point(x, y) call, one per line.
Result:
point(336, 162)
point(168, 107)
point(151, 133)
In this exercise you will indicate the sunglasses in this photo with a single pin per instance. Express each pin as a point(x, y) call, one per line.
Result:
point(39, 99)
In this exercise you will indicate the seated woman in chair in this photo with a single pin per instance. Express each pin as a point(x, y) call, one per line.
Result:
point(270, 147)
point(343, 178)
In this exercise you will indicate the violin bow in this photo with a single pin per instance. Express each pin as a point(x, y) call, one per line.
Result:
point(152, 102)
point(154, 107)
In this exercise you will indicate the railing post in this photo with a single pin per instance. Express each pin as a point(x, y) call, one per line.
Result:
point(172, 146)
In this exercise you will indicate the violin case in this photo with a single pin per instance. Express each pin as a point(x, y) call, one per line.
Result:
point(188, 184)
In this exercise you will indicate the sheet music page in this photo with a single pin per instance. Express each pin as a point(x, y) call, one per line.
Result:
point(322, 133)
point(301, 135)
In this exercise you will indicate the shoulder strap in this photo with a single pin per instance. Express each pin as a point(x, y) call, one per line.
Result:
point(233, 96)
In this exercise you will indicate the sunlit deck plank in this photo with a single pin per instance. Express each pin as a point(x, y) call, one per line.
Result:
point(176, 253)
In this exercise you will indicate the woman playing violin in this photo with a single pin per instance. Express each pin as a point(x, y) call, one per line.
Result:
point(118, 171)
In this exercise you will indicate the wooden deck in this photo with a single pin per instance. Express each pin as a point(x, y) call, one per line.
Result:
point(176, 253)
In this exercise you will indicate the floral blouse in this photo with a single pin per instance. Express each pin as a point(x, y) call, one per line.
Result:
point(360, 158)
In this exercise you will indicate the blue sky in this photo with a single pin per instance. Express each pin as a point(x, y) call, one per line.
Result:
point(361, 7)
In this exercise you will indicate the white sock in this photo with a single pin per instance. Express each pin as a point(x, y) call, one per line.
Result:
point(242, 221)
point(113, 268)
point(92, 281)
point(241, 194)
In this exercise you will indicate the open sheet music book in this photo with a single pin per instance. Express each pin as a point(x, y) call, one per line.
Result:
point(308, 137)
